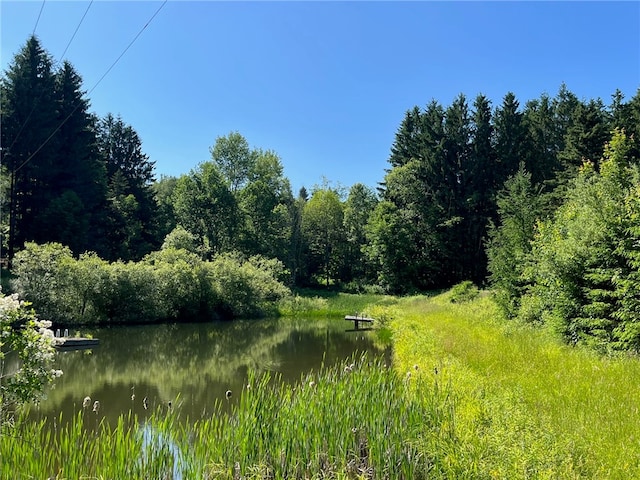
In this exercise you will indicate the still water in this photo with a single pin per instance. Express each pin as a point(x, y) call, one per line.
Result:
point(192, 365)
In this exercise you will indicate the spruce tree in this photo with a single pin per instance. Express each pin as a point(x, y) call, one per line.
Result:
point(29, 119)
point(510, 139)
point(130, 195)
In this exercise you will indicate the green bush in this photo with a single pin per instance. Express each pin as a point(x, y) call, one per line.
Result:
point(463, 292)
point(246, 288)
point(172, 284)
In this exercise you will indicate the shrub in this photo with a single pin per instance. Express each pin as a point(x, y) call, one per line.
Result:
point(463, 292)
point(26, 354)
point(245, 288)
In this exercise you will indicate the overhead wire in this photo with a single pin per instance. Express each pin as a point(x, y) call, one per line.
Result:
point(76, 31)
point(94, 87)
point(38, 19)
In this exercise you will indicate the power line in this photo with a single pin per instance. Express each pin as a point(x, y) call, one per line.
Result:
point(38, 19)
point(93, 88)
point(129, 46)
point(76, 30)
point(35, 103)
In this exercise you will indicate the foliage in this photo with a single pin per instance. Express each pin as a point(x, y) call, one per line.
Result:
point(583, 269)
point(206, 208)
point(463, 292)
point(246, 288)
point(509, 246)
point(26, 355)
point(41, 277)
point(129, 224)
point(171, 284)
point(322, 226)
point(357, 210)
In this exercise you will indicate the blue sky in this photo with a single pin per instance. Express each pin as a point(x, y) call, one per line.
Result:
point(324, 84)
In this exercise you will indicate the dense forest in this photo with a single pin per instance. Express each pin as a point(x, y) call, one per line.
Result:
point(539, 201)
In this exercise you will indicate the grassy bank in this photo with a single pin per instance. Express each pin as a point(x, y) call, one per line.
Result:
point(317, 303)
point(524, 405)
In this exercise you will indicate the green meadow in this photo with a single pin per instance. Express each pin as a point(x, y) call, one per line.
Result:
point(469, 395)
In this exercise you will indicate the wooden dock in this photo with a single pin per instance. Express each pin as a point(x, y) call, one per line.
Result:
point(76, 343)
point(357, 320)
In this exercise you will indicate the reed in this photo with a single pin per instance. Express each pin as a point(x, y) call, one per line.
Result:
point(355, 420)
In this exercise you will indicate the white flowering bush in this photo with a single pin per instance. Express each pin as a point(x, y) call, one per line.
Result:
point(27, 349)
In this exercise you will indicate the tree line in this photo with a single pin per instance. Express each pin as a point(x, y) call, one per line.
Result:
point(470, 191)
point(70, 176)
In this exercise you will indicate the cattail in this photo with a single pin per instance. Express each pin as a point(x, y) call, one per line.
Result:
point(96, 406)
point(86, 402)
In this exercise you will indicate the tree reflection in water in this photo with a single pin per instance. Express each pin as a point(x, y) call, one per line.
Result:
point(192, 365)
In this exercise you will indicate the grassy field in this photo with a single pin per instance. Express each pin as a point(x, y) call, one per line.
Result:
point(315, 303)
point(524, 405)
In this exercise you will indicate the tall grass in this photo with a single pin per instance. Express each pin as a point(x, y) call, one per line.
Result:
point(327, 303)
point(526, 405)
point(356, 420)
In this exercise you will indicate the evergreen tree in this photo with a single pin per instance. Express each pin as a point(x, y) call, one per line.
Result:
point(626, 117)
point(585, 138)
point(509, 244)
point(453, 188)
point(78, 175)
point(29, 119)
point(409, 141)
point(542, 148)
point(510, 138)
point(131, 202)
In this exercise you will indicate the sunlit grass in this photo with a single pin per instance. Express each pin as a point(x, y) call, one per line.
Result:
point(327, 303)
point(526, 406)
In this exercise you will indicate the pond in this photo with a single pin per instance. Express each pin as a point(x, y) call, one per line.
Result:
point(193, 365)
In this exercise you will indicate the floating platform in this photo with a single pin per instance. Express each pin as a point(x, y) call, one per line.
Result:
point(76, 343)
point(357, 320)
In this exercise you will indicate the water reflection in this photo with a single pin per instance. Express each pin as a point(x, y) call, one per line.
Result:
point(192, 365)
